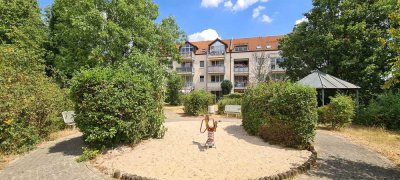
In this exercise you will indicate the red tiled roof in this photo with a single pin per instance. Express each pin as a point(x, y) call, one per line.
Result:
point(252, 43)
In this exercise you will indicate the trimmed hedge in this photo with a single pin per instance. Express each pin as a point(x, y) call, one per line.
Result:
point(120, 105)
point(281, 113)
point(227, 101)
point(338, 113)
point(234, 95)
point(226, 87)
point(196, 102)
point(383, 111)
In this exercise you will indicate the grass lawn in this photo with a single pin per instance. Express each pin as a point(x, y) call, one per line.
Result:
point(383, 141)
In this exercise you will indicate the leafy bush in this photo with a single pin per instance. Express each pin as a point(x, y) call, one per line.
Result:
point(234, 95)
point(30, 103)
point(88, 154)
point(196, 102)
point(338, 113)
point(226, 87)
point(384, 111)
point(282, 113)
point(120, 105)
point(227, 101)
point(174, 84)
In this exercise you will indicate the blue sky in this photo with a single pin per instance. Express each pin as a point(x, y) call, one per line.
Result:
point(208, 19)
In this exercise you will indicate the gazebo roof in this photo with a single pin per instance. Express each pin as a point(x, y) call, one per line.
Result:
point(320, 80)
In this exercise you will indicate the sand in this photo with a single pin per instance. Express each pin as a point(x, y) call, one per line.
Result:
point(181, 155)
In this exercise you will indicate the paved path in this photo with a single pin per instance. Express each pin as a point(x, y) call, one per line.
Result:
point(55, 160)
point(340, 159)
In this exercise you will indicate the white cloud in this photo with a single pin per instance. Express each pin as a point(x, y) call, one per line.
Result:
point(243, 4)
point(206, 35)
point(228, 4)
point(304, 19)
point(265, 18)
point(210, 3)
point(257, 10)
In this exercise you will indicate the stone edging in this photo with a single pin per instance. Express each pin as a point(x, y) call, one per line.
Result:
point(286, 175)
point(312, 160)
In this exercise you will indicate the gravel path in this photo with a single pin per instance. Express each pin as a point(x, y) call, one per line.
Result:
point(340, 159)
point(54, 160)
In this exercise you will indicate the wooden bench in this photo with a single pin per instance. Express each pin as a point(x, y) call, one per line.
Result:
point(68, 117)
point(232, 109)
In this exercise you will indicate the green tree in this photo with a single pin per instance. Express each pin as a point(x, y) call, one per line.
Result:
point(226, 87)
point(30, 102)
point(85, 34)
point(174, 84)
point(394, 43)
point(342, 38)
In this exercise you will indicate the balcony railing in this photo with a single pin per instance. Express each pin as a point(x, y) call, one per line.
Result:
point(184, 70)
point(216, 69)
point(187, 54)
point(187, 84)
point(242, 69)
point(240, 84)
point(217, 53)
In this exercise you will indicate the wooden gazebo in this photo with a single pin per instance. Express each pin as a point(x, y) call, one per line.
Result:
point(322, 81)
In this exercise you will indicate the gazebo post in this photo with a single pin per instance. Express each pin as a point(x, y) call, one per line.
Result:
point(323, 97)
point(357, 99)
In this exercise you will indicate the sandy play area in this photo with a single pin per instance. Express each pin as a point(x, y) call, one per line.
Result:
point(180, 155)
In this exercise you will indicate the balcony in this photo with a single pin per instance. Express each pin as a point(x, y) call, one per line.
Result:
point(187, 55)
point(241, 69)
point(216, 69)
point(240, 84)
point(185, 70)
point(216, 54)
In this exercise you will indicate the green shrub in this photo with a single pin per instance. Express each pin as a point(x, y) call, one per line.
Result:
point(174, 85)
point(88, 154)
point(338, 113)
point(226, 87)
point(281, 113)
point(30, 103)
point(196, 102)
point(227, 101)
point(383, 111)
point(119, 105)
point(234, 95)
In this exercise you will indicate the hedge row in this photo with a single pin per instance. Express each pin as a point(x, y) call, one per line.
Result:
point(281, 113)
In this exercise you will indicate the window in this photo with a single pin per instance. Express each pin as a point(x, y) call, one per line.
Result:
point(241, 48)
point(217, 78)
point(258, 47)
point(201, 78)
point(187, 48)
point(269, 46)
point(275, 63)
point(201, 63)
point(217, 63)
point(217, 48)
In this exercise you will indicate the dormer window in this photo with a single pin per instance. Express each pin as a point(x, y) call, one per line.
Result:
point(258, 47)
point(240, 48)
point(217, 48)
point(269, 47)
point(187, 48)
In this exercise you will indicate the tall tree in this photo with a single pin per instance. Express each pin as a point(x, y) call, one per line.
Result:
point(394, 43)
point(100, 32)
point(342, 38)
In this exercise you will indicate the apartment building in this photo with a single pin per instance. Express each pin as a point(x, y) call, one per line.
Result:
point(206, 64)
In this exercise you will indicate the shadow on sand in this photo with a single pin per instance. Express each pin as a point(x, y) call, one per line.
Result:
point(199, 145)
